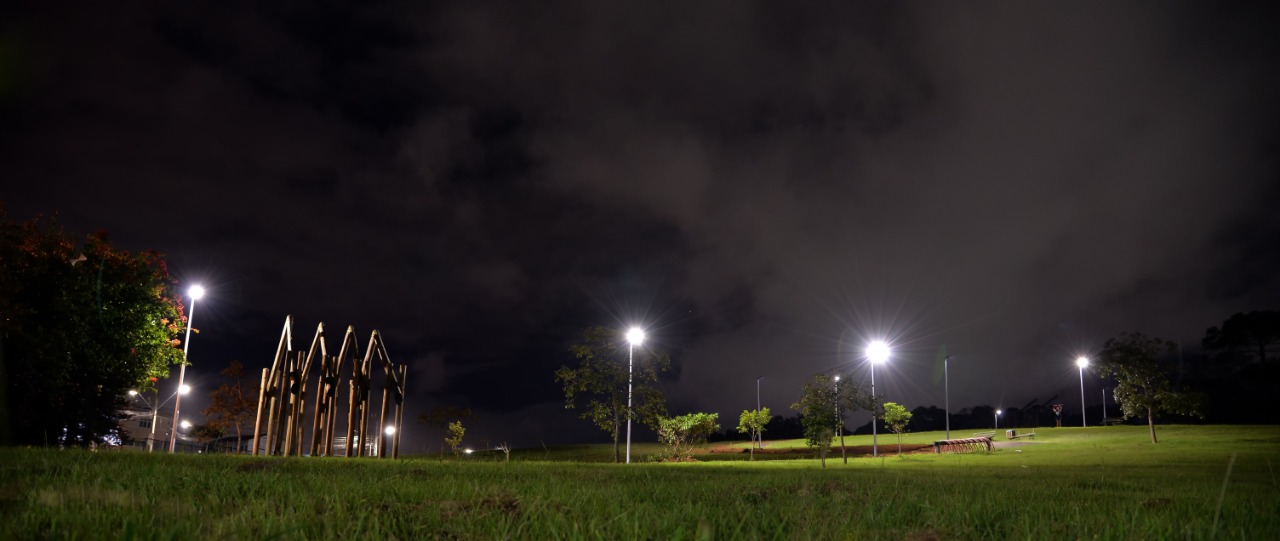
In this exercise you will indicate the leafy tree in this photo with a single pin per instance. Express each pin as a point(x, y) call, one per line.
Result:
point(896, 417)
point(601, 380)
point(821, 405)
point(753, 422)
point(81, 322)
point(1142, 385)
point(454, 439)
point(1245, 337)
point(233, 406)
point(683, 432)
point(206, 433)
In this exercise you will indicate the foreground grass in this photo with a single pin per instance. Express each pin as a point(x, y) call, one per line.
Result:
point(1104, 483)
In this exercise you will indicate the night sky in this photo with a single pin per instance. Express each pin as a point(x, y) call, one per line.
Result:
point(763, 186)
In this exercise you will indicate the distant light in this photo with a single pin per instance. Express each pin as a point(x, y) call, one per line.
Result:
point(186, 424)
point(196, 292)
point(999, 412)
point(878, 351)
point(837, 378)
point(183, 390)
point(1082, 362)
point(389, 430)
point(635, 336)
point(468, 451)
point(133, 392)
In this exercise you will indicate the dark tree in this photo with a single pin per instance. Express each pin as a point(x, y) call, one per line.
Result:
point(601, 380)
point(81, 322)
point(1244, 338)
point(233, 406)
point(1142, 384)
point(823, 405)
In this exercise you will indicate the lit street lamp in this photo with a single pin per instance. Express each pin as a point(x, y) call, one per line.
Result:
point(155, 409)
point(997, 417)
point(634, 336)
point(196, 292)
point(840, 421)
point(1082, 362)
point(877, 352)
point(1104, 405)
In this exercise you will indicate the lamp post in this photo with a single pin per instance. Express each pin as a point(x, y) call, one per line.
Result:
point(877, 352)
point(759, 443)
point(196, 292)
point(155, 410)
point(1082, 362)
point(840, 421)
point(997, 417)
point(634, 336)
point(946, 393)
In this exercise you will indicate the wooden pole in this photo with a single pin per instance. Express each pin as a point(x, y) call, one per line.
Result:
point(257, 422)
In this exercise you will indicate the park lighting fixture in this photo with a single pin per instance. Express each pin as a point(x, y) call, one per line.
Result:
point(1082, 362)
point(468, 450)
point(186, 424)
point(997, 417)
point(195, 293)
point(133, 392)
point(877, 352)
point(634, 336)
point(390, 431)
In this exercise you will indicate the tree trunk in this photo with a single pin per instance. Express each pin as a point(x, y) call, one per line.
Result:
point(753, 446)
point(615, 439)
point(237, 439)
point(1151, 424)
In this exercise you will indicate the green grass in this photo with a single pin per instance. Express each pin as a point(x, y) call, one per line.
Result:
point(1096, 483)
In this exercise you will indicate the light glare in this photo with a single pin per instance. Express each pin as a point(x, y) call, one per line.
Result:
point(635, 336)
point(389, 430)
point(1082, 362)
point(878, 351)
point(183, 390)
point(196, 292)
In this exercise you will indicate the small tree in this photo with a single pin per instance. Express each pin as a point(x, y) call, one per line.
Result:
point(454, 439)
point(683, 432)
point(440, 417)
point(602, 379)
point(233, 406)
point(1142, 385)
point(753, 422)
point(896, 417)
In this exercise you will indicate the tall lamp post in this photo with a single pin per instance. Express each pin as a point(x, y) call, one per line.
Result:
point(946, 390)
point(877, 352)
point(155, 410)
point(759, 438)
point(1104, 405)
point(634, 336)
point(1082, 362)
point(840, 421)
point(997, 418)
point(196, 292)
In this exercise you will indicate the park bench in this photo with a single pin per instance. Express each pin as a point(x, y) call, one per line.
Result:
point(989, 435)
point(963, 444)
point(1013, 434)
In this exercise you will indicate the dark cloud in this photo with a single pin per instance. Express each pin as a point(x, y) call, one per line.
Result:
point(765, 186)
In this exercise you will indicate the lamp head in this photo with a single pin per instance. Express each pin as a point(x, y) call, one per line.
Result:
point(999, 412)
point(878, 351)
point(389, 430)
point(184, 389)
point(635, 336)
point(196, 292)
point(837, 379)
point(185, 424)
point(1082, 362)
point(133, 392)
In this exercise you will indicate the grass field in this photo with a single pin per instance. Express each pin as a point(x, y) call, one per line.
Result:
point(1072, 483)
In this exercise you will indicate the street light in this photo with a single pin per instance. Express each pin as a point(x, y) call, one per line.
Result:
point(946, 390)
point(840, 421)
point(390, 431)
point(758, 437)
point(634, 336)
point(196, 292)
point(1104, 406)
point(185, 424)
point(155, 409)
point(877, 352)
point(1082, 362)
point(997, 417)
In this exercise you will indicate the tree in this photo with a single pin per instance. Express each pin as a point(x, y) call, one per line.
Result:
point(896, 417)
point(822, 405)
point(683, 432)
point(601, 380)
point(1142, 385)
point(1245, 337)
point(454, 439)
point(206, 433)
point(233, 406)
point(81, 323)
point(753, 422)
